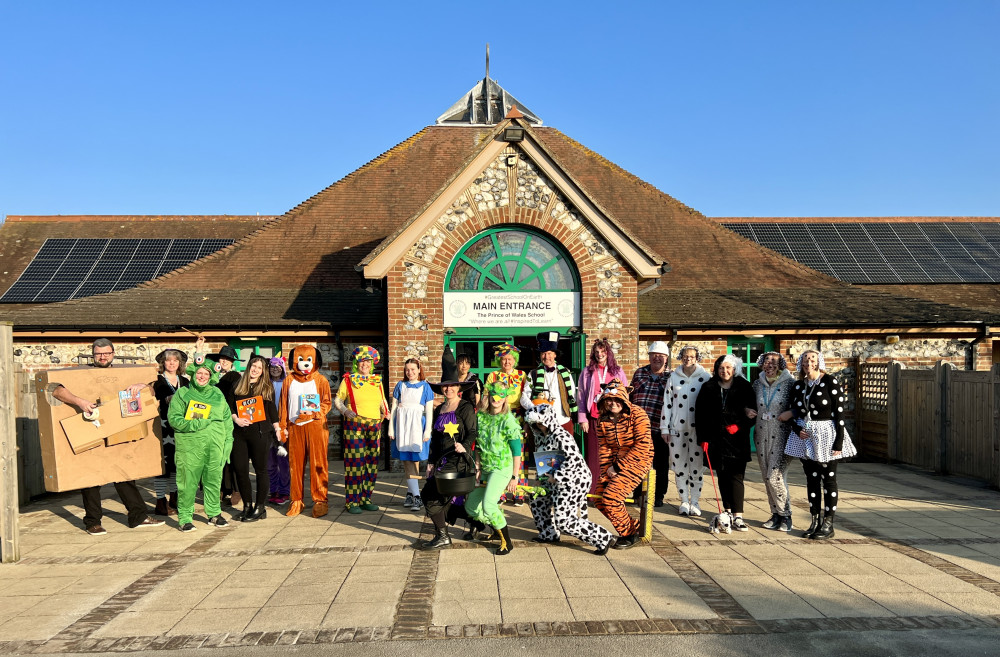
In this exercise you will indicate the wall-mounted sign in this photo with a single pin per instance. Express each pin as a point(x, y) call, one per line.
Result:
point(482, 309)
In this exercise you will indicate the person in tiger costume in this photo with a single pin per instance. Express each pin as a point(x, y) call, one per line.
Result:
point(626, 455)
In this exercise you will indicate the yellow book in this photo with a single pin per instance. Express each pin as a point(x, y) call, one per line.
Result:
point(197, 410)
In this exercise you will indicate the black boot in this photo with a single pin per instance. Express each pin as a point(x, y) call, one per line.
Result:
point(475, 527)
point(505, 545)
point(246, 513)
point(817, 519)
point(825, 530)
point(441, 540)
point(258, 512)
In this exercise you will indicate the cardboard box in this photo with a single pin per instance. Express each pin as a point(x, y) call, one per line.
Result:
point(76, 453)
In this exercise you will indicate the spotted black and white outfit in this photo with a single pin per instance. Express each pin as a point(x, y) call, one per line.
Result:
point(771, 435)
point(677, 425)
point(564, 508)
point(819, 403)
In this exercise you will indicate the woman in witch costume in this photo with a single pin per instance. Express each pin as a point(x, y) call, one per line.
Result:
point(498, 457)
point(453, 435)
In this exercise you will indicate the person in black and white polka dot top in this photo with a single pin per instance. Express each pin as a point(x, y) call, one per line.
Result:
point(819, 438)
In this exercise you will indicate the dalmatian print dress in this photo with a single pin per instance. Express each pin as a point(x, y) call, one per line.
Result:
point(677, 420)
point(564, 509)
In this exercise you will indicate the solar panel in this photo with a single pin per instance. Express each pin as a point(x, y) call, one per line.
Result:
point(76, 268)
point(900, 252)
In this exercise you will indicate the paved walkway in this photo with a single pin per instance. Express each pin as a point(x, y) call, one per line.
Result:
point(911, 551)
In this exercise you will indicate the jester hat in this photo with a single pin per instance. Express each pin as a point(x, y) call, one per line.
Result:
point(502, 350)
point(364, 352)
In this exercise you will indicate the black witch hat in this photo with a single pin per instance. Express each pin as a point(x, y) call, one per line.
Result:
point(449, 373)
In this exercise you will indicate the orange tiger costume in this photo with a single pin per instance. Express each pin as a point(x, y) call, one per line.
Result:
point(626, 455)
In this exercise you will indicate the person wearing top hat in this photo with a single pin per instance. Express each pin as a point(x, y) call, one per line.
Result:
point(648, 386)
point(550, 382)
point(454, 431)
point(171, 363)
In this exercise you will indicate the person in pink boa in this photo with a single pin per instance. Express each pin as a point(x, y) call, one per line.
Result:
point(602, 369)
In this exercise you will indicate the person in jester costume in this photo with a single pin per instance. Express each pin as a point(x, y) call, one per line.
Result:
point(361, 400)
point(498, 458)
point(203, 432)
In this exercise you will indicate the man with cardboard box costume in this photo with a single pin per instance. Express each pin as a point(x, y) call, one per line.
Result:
point(103, 351)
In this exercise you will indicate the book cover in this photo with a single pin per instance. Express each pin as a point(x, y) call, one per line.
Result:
point(309, 403)
point(130, 404)
point(546, 463)
point(251, 408)
point(197, 410)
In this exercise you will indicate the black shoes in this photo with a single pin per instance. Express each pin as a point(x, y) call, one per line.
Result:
point(475, 527)
point(252, 513)
point(825, 530)
point(813, 526)
point(441, 540)
point(773, 522)
point(658, 502)
point(604, 550)
point(539, 539)
point(625, 542)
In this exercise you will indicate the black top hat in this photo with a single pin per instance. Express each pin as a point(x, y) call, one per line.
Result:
point(226, 352)
point(548, 341)
point(449, 374)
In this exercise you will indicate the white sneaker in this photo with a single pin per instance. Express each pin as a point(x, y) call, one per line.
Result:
point(684, 509)
point(694, 510)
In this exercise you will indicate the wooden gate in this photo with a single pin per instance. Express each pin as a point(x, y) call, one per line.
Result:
point(30, 477)
point(969, 424)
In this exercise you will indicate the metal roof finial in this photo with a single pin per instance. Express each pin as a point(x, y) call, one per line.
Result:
point(487, 61)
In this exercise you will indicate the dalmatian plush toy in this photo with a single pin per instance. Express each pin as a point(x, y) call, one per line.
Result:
point(564, 508)
point(721, 523)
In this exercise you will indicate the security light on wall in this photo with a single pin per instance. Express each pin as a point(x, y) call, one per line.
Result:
point(513, 133)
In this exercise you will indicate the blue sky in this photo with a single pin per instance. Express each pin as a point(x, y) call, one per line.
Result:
point(856, 108)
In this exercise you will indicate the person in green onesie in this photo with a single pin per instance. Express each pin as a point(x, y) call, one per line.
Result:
point(203, 431)
point(498, 457)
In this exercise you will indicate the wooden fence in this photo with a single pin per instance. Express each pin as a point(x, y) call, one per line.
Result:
point(942, 419)
point(30, 478)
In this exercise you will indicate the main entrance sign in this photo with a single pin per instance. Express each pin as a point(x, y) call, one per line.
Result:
point(512, 276)
point(501, 309)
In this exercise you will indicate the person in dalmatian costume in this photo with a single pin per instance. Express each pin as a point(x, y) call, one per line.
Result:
point(563, 509)
point(677, 427)
point(819, 438)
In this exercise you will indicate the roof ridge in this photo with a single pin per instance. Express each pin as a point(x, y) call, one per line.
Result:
point(843, 219)
point(375, 162)
point(55, 218)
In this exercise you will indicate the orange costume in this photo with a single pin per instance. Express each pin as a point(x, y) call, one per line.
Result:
point(303, 406)
point(626, 455)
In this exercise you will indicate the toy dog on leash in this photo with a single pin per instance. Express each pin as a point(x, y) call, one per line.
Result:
point(721, 523)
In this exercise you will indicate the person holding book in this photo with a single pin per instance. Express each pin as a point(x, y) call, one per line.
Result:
point(498, 458)
point(305, 430)
point(361, 400)
point(410, 427)
point(251, 403)
point(506, 357)
point(203, 431)
point(277, 461)
point(171, 362)
point(453, 435)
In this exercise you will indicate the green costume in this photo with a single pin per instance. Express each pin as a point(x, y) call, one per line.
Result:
point(203, 445)
point(499, 439)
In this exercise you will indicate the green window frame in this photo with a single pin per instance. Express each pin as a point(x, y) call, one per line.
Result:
point(512, 258)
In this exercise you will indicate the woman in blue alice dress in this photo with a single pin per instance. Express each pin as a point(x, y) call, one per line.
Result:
point(410, 427)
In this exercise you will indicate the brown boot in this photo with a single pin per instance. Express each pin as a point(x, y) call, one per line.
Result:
point(172, 504)
point(320, 509)
point(161, 507)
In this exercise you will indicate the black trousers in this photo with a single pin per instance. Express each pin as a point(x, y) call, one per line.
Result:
point(130, 496)
point(255, 449)
point(661, 463)
point(821, 484)
point(730, 473)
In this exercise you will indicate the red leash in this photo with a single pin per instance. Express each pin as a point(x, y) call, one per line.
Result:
point(704, 447)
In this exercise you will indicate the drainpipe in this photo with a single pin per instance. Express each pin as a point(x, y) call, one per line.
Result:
point(970, 357)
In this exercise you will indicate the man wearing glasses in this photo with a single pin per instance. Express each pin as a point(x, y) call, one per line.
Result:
point(104, 353)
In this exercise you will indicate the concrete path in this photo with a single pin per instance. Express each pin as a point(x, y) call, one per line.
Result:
point(912, 553)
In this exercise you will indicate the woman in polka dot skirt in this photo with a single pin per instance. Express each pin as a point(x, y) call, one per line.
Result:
point(677, 428)
point(819, 439)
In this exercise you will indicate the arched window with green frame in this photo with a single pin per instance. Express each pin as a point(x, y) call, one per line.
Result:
point(512, 258)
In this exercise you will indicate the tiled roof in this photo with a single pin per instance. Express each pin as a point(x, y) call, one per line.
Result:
point(739, 308)
point(22, 236)
point(144, 308)
point(984, 296)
